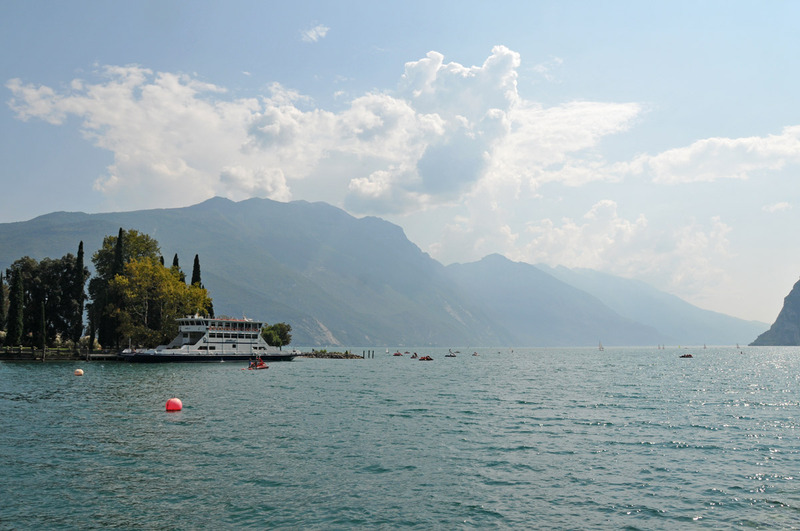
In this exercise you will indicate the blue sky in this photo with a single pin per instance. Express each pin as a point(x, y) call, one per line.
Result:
point(651, 140)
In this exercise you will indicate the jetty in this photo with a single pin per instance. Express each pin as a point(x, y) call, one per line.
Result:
point(54, 354)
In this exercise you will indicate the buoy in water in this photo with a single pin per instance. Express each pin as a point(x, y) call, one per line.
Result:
point(78, 372)
point(174, 404)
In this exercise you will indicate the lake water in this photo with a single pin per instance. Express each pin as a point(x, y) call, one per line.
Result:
point(534, 438)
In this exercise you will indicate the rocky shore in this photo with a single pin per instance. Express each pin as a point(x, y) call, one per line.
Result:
point(346, 355)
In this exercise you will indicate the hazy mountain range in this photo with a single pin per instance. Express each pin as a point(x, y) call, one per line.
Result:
point(342, 281)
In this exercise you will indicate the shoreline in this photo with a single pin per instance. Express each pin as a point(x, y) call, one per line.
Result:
point(46, 356)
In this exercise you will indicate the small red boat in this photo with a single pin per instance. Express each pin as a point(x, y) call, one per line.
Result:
point(258, 364)
point(426, 358)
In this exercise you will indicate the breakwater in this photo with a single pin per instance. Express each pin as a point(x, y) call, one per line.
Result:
point(42, 355)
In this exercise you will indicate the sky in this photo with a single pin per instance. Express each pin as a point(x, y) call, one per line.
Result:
point(653, 140)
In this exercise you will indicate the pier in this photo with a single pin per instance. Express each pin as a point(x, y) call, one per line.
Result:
point(52, 354)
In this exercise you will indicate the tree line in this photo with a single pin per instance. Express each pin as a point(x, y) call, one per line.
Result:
point(133, 298)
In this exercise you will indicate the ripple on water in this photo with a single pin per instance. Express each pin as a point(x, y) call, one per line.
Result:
point(535, 438)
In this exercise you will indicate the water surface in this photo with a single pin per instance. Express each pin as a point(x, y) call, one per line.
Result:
point(548, 438)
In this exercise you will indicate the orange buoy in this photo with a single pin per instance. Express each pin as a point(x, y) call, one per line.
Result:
point(78, 372)
point(174, 404)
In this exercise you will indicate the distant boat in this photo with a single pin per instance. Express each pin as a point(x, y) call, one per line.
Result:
point(686, 356)
point(601, 346)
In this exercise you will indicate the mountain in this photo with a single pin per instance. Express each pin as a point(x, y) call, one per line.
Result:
point(336, 279)
point(678, 321)
point(544, 311)
point(345, 281)
point(785, 331)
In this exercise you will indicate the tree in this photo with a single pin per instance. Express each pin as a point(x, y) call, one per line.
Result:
point(77, 300)
point(153, 297)
point(26, 270)
point(176, 266)
point(2, 303)
point(135, 245)
point(196, 272)
point(196, 281)
point(277, 335)
point(16, 297)
point(109, 261)
point(43, 335)
point(49, 305)
point(53, 299)
point(119, 253)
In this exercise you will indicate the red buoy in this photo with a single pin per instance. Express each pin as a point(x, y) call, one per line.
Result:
point(174, 404)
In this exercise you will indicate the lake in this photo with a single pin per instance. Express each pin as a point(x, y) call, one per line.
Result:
point(535, 438)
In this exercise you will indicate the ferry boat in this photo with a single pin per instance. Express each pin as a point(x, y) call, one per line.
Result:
point(213, 340)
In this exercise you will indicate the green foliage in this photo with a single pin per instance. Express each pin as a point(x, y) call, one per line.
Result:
point(196, 272)
point(277, 335)
point(132, 296)
point(176, 268)
point(80, 274)
point(3, 309)
point(135, 245)
point(52, 298)
point(16, 302)
point(109, 261)
point(152, 297)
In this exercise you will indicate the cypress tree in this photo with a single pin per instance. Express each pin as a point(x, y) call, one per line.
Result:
point(109, 324)
point(177, 267)
point(15, 310)
point(80, 275)
point(44, 328)
point(196, 272)
point(119, 257)
point(2, 303)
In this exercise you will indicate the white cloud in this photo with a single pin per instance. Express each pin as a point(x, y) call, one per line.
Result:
point(600, 240)
point(777, 207)
point(314, 34)
point(686, 260)
point(711, 159)
point(448, 130)
point(261, 182)
point(452, 142)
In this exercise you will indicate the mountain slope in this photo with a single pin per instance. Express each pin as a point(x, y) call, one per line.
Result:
point(542, 310)
point(343, 281)
point(785, 331)
point(676, 319)
point(336, 279)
